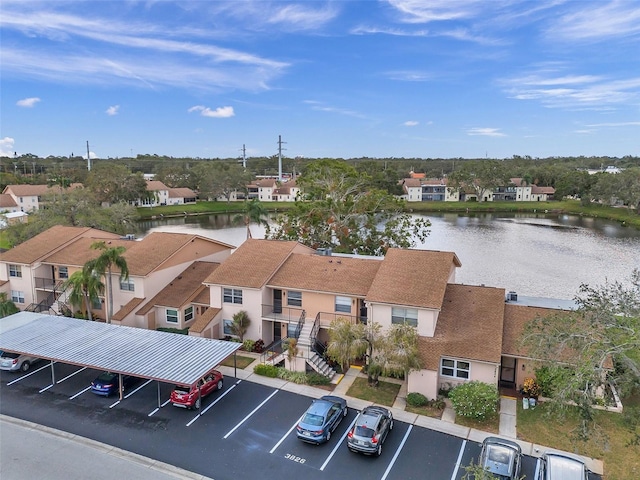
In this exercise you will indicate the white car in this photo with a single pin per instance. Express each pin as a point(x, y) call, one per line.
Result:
point(562, 466)
point(15, 361)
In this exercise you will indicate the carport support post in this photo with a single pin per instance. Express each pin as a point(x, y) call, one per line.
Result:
point(200, 399)
point(159, 403)
point(53, 374)
point(120, 385)
point(235, 366)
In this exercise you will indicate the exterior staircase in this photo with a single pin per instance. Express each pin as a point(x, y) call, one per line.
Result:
point(314, 360)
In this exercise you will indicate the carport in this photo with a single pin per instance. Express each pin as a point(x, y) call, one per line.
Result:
point(161, 356)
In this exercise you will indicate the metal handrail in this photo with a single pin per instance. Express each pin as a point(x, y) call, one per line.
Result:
point(272, 351)
point(300, 324)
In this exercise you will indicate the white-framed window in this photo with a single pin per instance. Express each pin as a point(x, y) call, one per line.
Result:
point(227, 326)
point(127, 285)
point(17, 297)
point(404, 315)
point(15, 271)
point(232, 295)
point(454, 368)
point(343, 304)
point(63, 272)
point(96, 304)
point(294, 298)
point(172, 315)
point(188, 314)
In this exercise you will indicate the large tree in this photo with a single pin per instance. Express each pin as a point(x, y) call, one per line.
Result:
point(112, 183)
point(483, 176)
point(7, 307)
point(253, 211)
point(578, 348)
point(341, 210)
point(219, 179)
point(84, 287)
point(109, 257)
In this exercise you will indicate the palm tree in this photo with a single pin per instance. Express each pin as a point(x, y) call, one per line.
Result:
point(240, 324)
point(110, 257)
point(253, 211)
point(7, 307)
point(85, 287)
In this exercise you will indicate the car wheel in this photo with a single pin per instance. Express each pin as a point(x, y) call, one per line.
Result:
point(219, 385)
point(379, 450)
point(25, 366)
point(328, 435)
point(197, 404)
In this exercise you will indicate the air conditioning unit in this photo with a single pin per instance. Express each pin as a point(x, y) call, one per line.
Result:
point(512, 297)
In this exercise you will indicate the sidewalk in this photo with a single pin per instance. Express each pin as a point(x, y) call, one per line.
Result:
point(446, 424)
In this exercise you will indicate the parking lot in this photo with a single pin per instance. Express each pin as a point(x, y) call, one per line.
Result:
point(244, 429)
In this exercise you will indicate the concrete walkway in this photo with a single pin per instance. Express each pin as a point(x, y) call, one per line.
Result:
point(106, 462)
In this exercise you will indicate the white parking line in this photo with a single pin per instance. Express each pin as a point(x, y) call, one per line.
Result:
point(46, 388)
point(114, 404)
point(455, 470)
point(69, 376)
point(393, 460)
point(80, 392)
point(48, 365)
point(249, 416)
point(335, 449)
point(138, 389)
point(535, 475)
point(287, 434)
point(220, 397)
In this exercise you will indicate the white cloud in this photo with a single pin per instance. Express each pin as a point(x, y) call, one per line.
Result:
point(598, 20)
point(300, 17)
point(220, 112)
point(113, 110)
point(616, 124)
point(28, 102)
point(6, 147)
point(409, 75)
point(487, 132)
point(419, 11)
point(410, 123)
point(319, 106)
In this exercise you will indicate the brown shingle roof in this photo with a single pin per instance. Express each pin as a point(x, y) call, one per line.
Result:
point(183, 288)
point(413, 277)
point(253, 263)
point(515, 319)
point(7, 201)
point(127, 309)
point(49, 241)
point(24, 190)
point(154, 185)
point(204, 320)
point(468, 327)
point(351, 276)
point(181, 193)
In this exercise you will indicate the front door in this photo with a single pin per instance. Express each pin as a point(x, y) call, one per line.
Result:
point(508, 372)
point(277, 331)
point(277, 301)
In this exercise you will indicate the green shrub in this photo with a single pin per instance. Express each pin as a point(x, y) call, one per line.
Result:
point(248, 345)
point(475, 399)
point(266, 370)
point(547, 379)
point(181, 331)
point(417, 399)
point(317, 379)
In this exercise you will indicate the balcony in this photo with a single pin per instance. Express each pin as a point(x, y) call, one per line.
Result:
point(48, 284)
point(279, 313)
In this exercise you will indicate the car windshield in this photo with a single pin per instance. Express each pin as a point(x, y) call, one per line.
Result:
point(311, 419)
point(106, 377)
point(9, 355)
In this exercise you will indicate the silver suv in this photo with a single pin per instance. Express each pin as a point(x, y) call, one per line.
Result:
point(15, 361)
point(501, 457)
point(562, 466)
point(370, 430)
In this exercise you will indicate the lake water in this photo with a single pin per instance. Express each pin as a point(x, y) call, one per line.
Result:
point(531, 254)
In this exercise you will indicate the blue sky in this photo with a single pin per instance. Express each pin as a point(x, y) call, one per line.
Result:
point(394, 78)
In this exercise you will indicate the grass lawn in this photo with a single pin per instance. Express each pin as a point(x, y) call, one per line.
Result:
point(242, 362)
point(427, 411)
point(491, 424)
point(384, 394)
point(621, 462)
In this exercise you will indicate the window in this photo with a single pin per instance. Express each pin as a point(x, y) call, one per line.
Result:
point(17, 297)
point(172, 315)
point(291, 329)
point(404, 315)
point(454, 368)
point(294, 299)
point(228, 327)
point(232, 295)
point(96, 304)
point(63, 272)
point(188, 314)
point(15, 271)
point(343, 304)
point(127, 285)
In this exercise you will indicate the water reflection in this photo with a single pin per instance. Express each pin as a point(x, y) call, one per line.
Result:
point(532, 254)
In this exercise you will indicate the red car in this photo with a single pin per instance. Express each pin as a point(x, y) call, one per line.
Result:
point(187, 397)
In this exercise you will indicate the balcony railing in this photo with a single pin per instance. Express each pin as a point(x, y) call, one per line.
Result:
point(325, 318)
point(281, 313)
point(45, 283)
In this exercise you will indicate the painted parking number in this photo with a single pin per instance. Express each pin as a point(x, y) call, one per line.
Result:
point(293, 458)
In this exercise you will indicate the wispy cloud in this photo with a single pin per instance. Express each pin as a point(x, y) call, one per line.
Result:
point(6, 147)
point(399, 32)
point(615, 124)
point(598, 20)
point(113, 110)
point(487, 132)
point(302, 17)
point(319, 106)
point(410, 123)
point(220, 112)
point(409, 76)
point(28, 102)
point(419, 11)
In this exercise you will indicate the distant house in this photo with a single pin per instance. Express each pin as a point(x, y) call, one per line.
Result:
point(181, 196)
point(420, 189)
point(29, 197)
point(8, 203)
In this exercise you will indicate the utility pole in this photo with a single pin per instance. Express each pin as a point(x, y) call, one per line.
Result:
point(280, 142)
point(88, 157)
point(244, 158)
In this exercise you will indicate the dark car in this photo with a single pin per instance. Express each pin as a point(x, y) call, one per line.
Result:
point(321, 418)
point(370, 430)
point(191, 397)
point(501, 457)
point(107, 383)
point(562, 466)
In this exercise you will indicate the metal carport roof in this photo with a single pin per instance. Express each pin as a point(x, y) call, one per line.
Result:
point(162, 356)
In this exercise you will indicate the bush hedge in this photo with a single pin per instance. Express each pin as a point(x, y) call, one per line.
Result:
point(475, 399)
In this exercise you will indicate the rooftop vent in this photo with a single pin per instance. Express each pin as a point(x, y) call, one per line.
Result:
point(512, 297)
point(324, 251)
